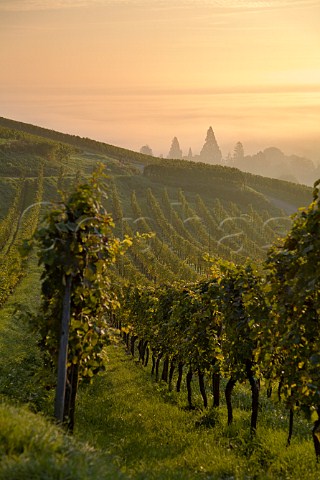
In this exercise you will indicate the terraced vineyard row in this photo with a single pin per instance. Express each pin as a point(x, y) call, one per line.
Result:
point(19, 225)
point(185, 232)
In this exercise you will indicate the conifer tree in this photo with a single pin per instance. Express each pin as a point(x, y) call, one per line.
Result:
point(211, 152)
point(175, 150)
point(190, 156)
point(238, 152)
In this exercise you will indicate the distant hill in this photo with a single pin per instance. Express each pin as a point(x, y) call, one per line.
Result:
point(272, 162)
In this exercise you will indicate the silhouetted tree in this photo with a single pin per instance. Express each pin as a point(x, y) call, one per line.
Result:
point(175, 150)
point(190, 156)
point(210, 152)
point(238, 152)
point(146, 150)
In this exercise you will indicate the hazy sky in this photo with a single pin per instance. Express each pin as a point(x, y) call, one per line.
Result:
point(131, 72)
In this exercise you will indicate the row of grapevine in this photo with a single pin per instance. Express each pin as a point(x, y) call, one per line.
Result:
point(9, 223)
point(245, 234)
point(187, 253)
point(186, 232)
point(27, 210)
point(146, 256)
point(209, 242)
point(126, 266)
point(239, 324)
point(157, 257)
point(230, 240)
point(204, 328)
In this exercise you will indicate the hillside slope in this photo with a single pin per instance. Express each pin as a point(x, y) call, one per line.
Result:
point(193, 208)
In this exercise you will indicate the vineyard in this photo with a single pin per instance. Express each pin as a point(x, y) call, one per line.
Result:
point(214, 283)
point(192, 210)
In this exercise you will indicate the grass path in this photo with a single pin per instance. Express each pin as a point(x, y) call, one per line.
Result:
point(20, 356)
point(150, 436)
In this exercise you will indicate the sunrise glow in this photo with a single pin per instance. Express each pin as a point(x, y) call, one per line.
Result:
point(143, 71)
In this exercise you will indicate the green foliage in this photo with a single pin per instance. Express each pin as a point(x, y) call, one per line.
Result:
point(23, 375)
point(8, 190)
point(76, 240)
point(211, 325)
point(22, 153)
point(268, 326)
point(244, 310)
point(184, 233)
point(229, 184)
point(290, 344)
point(121, 154)
point(16, 228)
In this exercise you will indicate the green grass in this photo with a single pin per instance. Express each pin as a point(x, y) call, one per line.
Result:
point(33, 448)
point(21, 360)
point(151, 435)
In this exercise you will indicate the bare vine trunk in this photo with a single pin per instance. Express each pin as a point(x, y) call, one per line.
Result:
point(189, 389)
point(132, 343)
point(153, 363)
point(216, 389)
point(202, 388)
point(171, 372)
point(147, 355)
point(316, 434)
point(165, 370)
point(228, 393)
point(290, 427)
point(255, 390)
point(180, 373)
point(157, 366)
point(71, 396)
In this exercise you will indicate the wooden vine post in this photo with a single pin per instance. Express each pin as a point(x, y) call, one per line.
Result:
point(63, 353)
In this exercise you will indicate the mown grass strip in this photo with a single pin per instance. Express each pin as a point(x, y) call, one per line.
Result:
point(33, 448)
point(20, 356)
point(151, 436)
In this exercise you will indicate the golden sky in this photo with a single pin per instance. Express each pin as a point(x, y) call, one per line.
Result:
point(131, 72)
